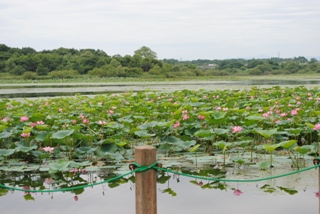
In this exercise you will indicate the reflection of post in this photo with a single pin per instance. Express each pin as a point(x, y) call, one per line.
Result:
point(146, 195)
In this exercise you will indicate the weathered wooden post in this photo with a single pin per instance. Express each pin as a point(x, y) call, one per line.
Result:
point(146, 187)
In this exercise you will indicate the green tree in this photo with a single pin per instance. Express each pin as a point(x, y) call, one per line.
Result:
point(42, 70)
point(146, 52)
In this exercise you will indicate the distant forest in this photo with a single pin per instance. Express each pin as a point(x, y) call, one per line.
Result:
point(70, 63)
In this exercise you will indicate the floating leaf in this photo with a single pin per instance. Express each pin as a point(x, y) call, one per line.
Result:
point(62, 134)
point(264, 165)
point(5, 135)
point(25, 147)
point(203, 133)
point(6, 152)
point(266, 133)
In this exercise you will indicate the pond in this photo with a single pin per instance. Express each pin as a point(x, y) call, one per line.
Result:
point(176, 194)
point(293, 194)
point(70, 89)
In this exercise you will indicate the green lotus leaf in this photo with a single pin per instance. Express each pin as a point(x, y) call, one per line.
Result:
point(255, 118)
point(194, 148)
point(6, 152)
point(59, 166)
point(143, 134)
point(5, 135)
point(287, 144)
point(218, 115)
point(270, 147)
point(40, 137)
point(42, 127)
point(220, 131)
point(266, 133)
point(303, 149)
point(203, 133)
point(62, 134)
point(3, 127)
point(148, 125)
point(25, 147)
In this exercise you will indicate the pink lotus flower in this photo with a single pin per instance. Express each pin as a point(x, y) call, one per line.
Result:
point(283, 114)
point(111, 112)
point(60, 109)
point(101, 122)
point(48, 149)
point(225, 109)
point(236, 129)
point(74, 170)
point(201, 117)
point(74, 121)
point(24, 119)
point(5, 119)
point(33, 124)
point(85, 121)
point(184, 111)
point(48, 180)
point(266, 115)
point(176, 125)
point(218, 108)
point(294, 112)
point(317, 127)
point(237, 192)
point(185, 116)
point(40, 122)
point(25, 135)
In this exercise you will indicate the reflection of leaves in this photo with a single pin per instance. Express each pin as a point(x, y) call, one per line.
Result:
point(3, 192)
point(163, 179)
point(290, 191)
point(264, 165)
point(170, 191)
point(268, 188)
point(28, 197)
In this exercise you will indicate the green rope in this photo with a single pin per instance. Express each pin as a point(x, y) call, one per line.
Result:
point(236, 180)
point(154, 166)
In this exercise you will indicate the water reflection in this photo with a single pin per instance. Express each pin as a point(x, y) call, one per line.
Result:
point(176, 194)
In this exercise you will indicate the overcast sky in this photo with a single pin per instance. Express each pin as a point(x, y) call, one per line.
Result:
point(179, 29)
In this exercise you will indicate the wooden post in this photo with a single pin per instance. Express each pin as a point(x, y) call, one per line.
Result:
point(146, 188)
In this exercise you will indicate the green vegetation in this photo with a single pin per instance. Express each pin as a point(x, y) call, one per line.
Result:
point(63, 63)
point(236, 123)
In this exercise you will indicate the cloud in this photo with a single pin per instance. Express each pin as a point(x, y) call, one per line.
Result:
point(119, 24)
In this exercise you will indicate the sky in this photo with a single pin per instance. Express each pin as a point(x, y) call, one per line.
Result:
point(182, 30)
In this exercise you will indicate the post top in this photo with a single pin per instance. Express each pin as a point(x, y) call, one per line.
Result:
point(146, 147)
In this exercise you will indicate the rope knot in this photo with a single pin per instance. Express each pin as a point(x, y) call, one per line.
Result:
point(138, 168)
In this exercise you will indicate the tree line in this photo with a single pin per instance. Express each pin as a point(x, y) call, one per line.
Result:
point(69, 62)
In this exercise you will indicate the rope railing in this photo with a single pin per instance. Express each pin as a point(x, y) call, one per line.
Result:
point(136, 168)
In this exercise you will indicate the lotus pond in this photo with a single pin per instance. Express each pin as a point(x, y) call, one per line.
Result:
point(248, 132)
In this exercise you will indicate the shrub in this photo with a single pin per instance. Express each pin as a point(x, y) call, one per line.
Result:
point(65, 74)
point(29, 75)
